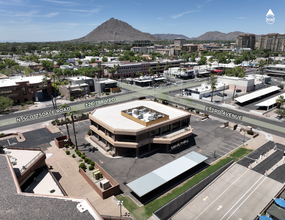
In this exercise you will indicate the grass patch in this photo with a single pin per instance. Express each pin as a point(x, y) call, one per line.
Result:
point(144, 212)
point(189, 100)
point(240, 153)
point(165, 93)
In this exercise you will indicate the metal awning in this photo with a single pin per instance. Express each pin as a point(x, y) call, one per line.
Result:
point(257, 94)
point(275, 211)
point(269, 102)
point(162, 175)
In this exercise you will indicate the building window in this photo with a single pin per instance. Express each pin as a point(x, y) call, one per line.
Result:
point(154, 132)
point(165, 129)
point(185, 122)
point(176, 125)
point(24, 90)
point(8, 90)
point(94, 124)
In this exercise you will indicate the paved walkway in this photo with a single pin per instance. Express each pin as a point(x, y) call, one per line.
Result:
point(75, 185)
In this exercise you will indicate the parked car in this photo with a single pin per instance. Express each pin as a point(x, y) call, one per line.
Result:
point(140, 98)
point(238, 90)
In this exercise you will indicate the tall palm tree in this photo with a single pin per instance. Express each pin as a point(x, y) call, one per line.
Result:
point(67, 129)
point(213, 85)
point(75, 138)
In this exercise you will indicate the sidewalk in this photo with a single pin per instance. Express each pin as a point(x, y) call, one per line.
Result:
point(66, 168)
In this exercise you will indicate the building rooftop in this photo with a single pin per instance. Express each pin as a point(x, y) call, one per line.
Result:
point(13, 80)
point(17, 205)
point(79, 78)
point(111, 115)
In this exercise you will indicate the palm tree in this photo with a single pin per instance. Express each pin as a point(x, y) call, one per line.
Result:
point(72, 118)
point(150, 70)
point(67, 129)
point(213, 85)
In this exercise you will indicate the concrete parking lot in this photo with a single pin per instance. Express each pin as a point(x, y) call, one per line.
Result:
point(208, 139)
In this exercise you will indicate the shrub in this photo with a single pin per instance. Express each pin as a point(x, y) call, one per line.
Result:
point(197, 112)
point(78, 153)
point(66, 145)
point(73, 146)
point(91, 167)
point(67, 152)
point(22, 104)
point(92, 163)
point(82, 156)
point(73, 155)
point(107, 93)
point(22, 108)
point(82, 166)
point(80, 160)
point(207, 115)
point(89, 132)
point(71, 98)
point(86, 160)
point(53, 123)
point(250, 132)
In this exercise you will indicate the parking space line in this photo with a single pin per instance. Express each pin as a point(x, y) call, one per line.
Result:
point(222, 151)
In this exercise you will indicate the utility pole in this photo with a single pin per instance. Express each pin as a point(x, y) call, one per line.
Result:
point(234, 92)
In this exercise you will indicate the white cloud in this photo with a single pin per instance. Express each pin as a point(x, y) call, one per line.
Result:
point(62, 2)
point(82, 10)
point(29, 14)
point(181, 14)
point(159, 18)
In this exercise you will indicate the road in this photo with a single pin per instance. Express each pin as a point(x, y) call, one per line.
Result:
point(133, 92)
point(240, 193)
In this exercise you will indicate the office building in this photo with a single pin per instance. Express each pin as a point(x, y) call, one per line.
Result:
point(245, 41)
point(138, 127)
point(274, 42)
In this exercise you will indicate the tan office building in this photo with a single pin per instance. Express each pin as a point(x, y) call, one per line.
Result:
point(138, 127)
point(246, 41)
point(274, 42)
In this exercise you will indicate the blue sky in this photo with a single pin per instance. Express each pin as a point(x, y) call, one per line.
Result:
point(56, 20)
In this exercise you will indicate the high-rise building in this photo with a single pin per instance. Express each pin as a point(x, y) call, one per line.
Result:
point(246, 41)
point(274, 42)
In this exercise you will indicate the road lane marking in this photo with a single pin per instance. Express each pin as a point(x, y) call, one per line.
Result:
point(223, 192)
point(242, 197)
point(219, 208)
point(246, 198)
point(205, 198)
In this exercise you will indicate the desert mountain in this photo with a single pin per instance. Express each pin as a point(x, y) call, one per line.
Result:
point(172, 36)
point(216, 35)
point(116, 30)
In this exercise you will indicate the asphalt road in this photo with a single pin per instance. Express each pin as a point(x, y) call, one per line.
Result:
point(240, 193)
point(260, 123)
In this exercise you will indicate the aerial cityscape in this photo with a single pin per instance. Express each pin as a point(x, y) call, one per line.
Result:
point(131, 110)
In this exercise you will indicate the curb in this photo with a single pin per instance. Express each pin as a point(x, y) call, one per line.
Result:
point(22, 136)
point(48, 129)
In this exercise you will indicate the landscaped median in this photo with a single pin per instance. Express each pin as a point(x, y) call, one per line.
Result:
point(144, 212)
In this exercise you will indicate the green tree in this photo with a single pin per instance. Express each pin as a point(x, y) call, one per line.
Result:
point(79, 62)
point(202, 61)
point(193, 58)
point(92, 60)
point(236, 72)
point(5, 102)
point(60, 62)
point(280, 112)
point(280, 101)
point(104, 59)
point(47, 65)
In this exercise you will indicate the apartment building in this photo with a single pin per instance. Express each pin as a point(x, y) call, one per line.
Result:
point(137, 127)
point(274, 42)
point(245, 41)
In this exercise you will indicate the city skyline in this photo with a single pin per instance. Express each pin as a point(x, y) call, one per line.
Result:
point(58, 20)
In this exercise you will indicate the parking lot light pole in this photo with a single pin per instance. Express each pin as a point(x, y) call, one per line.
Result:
point(223, 93)
point(120, 203)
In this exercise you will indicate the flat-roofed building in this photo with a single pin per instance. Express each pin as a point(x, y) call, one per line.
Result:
point(245, 41)
point(276, 70)
point(106, 85)
point(274, 42)
point(137, 127)
point(23, 89)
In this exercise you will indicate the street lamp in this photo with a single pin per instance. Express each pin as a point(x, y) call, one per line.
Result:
point(120, 203)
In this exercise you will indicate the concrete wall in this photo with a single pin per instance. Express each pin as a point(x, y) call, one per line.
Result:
point(114, 190)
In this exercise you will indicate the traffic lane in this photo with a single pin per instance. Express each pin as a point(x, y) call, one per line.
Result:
point(267, 125)
point(239, 193)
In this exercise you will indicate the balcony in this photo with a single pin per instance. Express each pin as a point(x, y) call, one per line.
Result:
point(173, 136)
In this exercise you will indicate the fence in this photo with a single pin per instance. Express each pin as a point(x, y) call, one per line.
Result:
point(173, 206)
